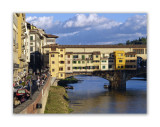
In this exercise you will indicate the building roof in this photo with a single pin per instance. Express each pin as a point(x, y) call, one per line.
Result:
point(50, 36)
point(95, 46)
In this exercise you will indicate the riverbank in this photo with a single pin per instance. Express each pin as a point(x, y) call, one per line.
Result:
point(57, 101)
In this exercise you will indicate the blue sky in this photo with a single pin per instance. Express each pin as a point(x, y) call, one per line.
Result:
point(91, 28)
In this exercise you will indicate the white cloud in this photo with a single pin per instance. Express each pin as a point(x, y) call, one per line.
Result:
point(93, 29)
point(41, 22)
point(67, 34)
point(135, 22)
point(92, 20)
point(103, 43)
point(30, 18)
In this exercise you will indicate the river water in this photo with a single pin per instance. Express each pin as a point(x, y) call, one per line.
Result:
point(89, 96)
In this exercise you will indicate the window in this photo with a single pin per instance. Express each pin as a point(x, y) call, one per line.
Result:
point(110, 60)
point(31, 43)
point(75, 56)
point(79, 62)
point(61, 75)
point(121, 66)
point(52, 55)
point(52, 62)
point(61, 69)
point(103, 61)
point(61, 55)
point(118, 66)
point(31, 49)
point(68, 68)
point(103, 67)
point(52, 70)
point(47, 51)
point(96, 56)
point(83, 62)
point(88, 61)
point(68, 56)
point(83, 57)
point(120, 60)
point(61, 62)
point(31, 38)
point(61, 50)
point(68, 62)
point(74, 62)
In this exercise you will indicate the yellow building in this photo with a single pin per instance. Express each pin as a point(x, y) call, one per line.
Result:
point(57, 62)
point(19, 30)
point(119, 60)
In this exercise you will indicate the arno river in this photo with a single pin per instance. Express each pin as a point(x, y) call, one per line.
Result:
point(89, 96)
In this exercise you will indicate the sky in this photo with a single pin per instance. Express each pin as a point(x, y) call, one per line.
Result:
point(91, 28)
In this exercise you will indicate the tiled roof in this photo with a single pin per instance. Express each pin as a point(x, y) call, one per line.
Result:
point(50, 36)
point(96, 46)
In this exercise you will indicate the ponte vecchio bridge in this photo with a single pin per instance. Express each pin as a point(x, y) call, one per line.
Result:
point(116, 63)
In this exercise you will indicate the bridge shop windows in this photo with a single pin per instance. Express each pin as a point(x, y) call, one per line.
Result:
point(74, 62)
point(130, 66)
point(75, 56)
point(111, 61)
point(138, 51)
point(83, 57)
point(103, 61)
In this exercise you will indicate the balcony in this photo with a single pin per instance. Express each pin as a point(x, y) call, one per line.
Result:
point(15, 66)
point(22, 25)
point(22, 36)
point(22, 58)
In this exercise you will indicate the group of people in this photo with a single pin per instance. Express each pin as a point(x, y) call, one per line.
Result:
point(31, 85)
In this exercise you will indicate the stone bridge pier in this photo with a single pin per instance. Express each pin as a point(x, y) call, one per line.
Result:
point(117, 80)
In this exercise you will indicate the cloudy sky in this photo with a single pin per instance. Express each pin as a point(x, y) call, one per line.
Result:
point(95, 29)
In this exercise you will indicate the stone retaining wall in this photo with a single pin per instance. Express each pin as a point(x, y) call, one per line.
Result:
point(29, 107)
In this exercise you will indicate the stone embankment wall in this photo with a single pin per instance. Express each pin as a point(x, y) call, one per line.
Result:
point(39, 97)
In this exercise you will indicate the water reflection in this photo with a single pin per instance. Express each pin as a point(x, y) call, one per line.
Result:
point(89, 96)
